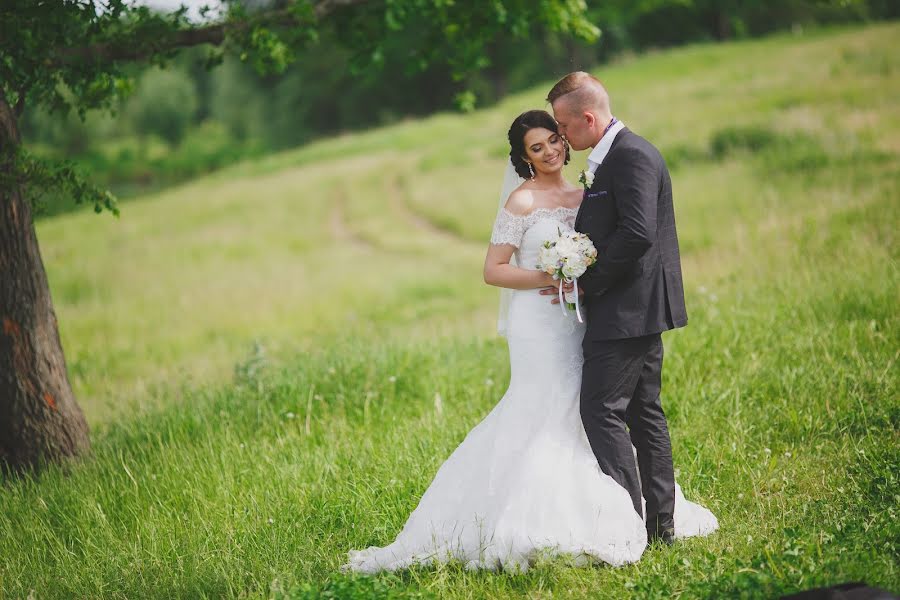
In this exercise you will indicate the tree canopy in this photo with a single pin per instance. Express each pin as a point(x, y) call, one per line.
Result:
point(76, 55)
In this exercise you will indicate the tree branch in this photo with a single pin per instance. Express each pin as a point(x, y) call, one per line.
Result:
point(127, 51)
point(20, 102)
point(325, 7)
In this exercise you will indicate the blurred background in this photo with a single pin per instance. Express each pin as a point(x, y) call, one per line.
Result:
point(185, 120)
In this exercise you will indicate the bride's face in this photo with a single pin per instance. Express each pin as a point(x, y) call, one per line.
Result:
point(545, 150)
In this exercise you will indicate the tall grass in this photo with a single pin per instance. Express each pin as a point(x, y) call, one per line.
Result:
point(227, 468)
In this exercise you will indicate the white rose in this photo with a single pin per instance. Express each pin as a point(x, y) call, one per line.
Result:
point(548, 260)
point(575, 267)
point(588, 178)
point(586, 246)
point(566, 247)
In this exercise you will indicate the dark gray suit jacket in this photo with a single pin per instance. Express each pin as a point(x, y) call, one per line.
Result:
point(635, 287)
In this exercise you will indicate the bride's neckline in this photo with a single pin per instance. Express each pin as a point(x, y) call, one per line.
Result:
point(546, 209)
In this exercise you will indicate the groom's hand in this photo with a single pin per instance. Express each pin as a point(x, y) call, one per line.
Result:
point(554, 291)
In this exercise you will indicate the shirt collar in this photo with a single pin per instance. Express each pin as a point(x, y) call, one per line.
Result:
point(595, 158)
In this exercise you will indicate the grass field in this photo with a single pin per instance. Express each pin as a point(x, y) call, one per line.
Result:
point(259, 352)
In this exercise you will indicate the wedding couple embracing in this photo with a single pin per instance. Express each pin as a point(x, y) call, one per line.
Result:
point(575, 459)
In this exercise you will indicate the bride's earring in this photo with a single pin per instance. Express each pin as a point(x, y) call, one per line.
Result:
point(531, 170)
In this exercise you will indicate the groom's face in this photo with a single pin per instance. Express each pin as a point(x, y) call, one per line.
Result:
point(573, 125)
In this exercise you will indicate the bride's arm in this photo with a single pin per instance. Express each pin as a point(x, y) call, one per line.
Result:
point(505, 238)
point(498, 271)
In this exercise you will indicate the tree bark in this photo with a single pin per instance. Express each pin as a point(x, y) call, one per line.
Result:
point(40, 421)
point(721, 25)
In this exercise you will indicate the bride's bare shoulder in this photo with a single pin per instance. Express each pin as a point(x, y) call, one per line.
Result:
point(521, 201)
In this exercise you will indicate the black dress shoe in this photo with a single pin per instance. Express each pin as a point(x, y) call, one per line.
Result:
point(664, 536)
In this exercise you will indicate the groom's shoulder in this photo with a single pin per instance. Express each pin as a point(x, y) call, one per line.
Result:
point(630, 139)
point(628, 143)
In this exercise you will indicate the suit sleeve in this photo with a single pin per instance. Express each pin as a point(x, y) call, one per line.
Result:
point(635, 188)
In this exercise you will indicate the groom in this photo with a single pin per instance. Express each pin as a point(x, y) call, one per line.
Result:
point(632, 293)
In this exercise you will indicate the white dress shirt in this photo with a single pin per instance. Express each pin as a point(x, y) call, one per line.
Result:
point(595, 158)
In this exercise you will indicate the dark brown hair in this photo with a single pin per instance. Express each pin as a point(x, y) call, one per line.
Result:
point(528, 120)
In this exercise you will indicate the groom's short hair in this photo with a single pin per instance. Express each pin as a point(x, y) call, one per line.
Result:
point(584, 86)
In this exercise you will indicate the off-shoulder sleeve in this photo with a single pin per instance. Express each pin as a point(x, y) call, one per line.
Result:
point(508, 229)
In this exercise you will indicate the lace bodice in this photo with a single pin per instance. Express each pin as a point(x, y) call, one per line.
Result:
point(528, 232)
point(510, 228)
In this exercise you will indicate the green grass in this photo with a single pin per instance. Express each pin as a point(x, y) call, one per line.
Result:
point(224, 468)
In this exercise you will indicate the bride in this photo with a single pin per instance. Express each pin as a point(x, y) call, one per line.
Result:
point(525, 482)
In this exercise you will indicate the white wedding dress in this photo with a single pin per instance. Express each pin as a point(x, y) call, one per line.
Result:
point(524, 482)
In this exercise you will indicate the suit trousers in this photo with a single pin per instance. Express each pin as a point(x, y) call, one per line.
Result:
point(620, 408)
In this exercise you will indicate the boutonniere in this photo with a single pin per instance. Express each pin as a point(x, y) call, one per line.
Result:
point(586, 179)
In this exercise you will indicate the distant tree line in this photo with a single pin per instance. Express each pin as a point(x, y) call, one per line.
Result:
point(187, 119)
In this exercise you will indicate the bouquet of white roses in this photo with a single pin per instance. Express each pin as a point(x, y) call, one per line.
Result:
point(567, 258)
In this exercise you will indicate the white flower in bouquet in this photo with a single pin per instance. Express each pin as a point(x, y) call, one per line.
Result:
point(586, 246)
point(567, 247)
point(575, 266)
point(549, 259)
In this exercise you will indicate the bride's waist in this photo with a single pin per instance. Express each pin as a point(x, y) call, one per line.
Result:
point(533, 316)
point(532, 295)
point(532, 302)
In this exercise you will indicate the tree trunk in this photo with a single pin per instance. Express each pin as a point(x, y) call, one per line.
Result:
point(721, 25)
point(40, 421)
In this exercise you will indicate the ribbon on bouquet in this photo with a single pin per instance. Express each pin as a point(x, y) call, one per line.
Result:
point(562, 300)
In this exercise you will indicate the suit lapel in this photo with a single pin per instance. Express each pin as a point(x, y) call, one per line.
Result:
point(599, 176)
point(580, 209)
point(623, 133)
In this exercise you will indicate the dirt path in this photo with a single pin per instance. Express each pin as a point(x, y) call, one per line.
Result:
point(337, 224)
point(398, 204)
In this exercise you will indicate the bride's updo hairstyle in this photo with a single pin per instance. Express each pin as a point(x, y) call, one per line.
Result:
point(530, 119)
